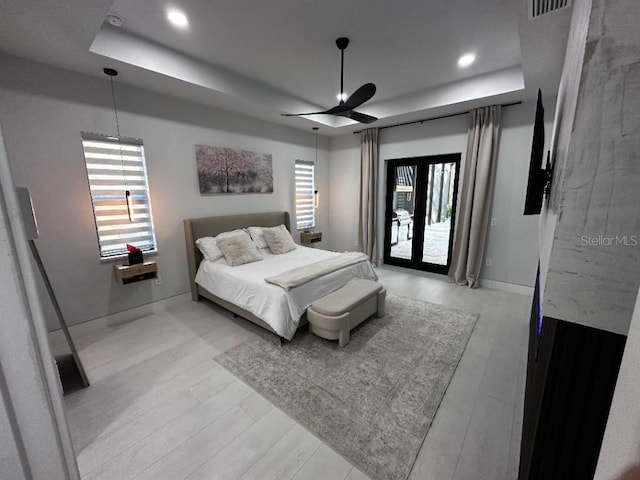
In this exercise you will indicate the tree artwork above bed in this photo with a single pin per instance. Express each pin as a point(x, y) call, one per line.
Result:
point(226, 170)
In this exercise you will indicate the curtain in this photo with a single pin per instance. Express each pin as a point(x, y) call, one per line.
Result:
point(477, 185)
point(368, 193)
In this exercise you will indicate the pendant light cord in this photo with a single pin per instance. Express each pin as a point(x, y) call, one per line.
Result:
point(127, 193)
point(115, 108)
point(115, 111)
point(315, 187)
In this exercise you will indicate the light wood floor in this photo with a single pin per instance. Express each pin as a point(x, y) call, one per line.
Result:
point(159, 407)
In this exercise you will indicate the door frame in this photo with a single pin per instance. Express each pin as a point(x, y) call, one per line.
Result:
point(422, 164)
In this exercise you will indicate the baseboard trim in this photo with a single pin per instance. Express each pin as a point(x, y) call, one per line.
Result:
point(99, 323)
point(508, 287)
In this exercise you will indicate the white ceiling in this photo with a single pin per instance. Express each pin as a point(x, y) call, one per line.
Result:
point(267, 58)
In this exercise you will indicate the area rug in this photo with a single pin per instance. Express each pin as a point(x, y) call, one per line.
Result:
point(372, 401)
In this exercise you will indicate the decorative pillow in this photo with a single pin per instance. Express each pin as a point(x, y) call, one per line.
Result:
point(238, 248)
point(279, 239)
point(209, 249)
point(231, 232)
point(258, 237)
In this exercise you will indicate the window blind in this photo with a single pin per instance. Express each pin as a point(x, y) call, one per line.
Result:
point(305, 187)
point(114, 167)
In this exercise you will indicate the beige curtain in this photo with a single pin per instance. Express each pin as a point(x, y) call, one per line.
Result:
point(368, 192)
point(477, 185)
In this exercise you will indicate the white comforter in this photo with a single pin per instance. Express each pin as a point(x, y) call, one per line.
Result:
point(244, 285)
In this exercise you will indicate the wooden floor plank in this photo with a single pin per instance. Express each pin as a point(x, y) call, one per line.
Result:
point(236, 458)
point(135, 460)
point(324, 464)
point(108, 446)
point(127, 401)
point(285, 458)
point(186, 458)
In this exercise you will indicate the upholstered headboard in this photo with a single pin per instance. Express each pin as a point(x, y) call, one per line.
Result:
point(195, 228)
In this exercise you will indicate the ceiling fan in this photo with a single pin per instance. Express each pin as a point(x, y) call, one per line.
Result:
point(346, 108)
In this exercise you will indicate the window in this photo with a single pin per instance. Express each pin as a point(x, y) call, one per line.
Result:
point(305, 189)
point(119, 189)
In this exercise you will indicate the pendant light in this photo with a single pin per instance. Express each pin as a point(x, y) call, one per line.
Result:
point(127, 194)
point(316, 197)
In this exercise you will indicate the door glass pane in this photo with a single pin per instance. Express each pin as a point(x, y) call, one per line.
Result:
point(437, 225)
point(401, 232)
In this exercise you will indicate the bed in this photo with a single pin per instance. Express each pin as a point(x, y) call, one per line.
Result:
point(242, 289)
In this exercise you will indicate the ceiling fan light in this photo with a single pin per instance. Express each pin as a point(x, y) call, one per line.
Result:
point(466, 60)
point(177, 18)
point(342, 97)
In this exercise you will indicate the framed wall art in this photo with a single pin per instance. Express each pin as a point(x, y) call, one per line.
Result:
point(227, 170)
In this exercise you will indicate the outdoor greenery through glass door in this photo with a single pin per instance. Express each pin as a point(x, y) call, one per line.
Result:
point(441, 181)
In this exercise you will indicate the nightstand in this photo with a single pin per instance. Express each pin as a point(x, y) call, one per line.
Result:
point(308, 238)
point(126, 274)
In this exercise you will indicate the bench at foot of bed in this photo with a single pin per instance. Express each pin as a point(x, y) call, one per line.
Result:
point(335, 315)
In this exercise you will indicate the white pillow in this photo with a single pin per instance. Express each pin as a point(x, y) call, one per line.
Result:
point(231, 232)
point(209, 249)
point(279, 239)
point(238, 248)
point(258, 237)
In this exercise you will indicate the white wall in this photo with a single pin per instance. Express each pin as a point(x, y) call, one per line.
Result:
point(9, 455)
point(562, 128)
point(43, 110)
point(511, 244)
point(594, 262)
point(344, 189)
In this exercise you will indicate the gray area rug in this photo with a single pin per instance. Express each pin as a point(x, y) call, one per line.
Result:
point(372, 401)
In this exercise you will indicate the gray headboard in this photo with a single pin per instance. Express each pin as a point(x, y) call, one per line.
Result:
point(195, 228)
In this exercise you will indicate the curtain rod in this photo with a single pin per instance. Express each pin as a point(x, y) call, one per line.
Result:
point(436, 118)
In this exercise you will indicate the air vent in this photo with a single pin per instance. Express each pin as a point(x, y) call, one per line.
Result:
point(538, 8)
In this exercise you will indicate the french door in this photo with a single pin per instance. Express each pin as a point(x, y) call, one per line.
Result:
point(421, 211)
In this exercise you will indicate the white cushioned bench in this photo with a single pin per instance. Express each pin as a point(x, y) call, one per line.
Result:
point(333, 316)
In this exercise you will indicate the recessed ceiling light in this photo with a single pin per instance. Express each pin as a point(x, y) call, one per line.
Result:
point(178, 18)
point(466, 59)
point(114, 20)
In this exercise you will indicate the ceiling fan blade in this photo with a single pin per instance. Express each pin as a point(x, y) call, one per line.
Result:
point(338, 109)
point(361, 95)
point(357, 116)
point(302, 114)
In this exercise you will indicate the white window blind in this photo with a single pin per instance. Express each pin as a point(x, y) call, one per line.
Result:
point(115, 167)
point(305, 187)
